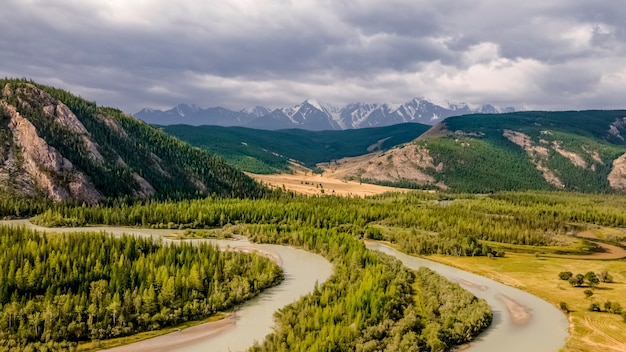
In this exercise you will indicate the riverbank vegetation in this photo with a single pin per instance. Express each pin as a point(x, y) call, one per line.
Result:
point(58, 290)
point(370, 303)
point(417, 222)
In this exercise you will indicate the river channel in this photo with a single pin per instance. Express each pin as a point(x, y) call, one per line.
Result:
point(522, 322)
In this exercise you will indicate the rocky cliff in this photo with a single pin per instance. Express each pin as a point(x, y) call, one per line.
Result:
point(64, 148)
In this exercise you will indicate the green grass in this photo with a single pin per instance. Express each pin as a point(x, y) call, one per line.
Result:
point(577, 247)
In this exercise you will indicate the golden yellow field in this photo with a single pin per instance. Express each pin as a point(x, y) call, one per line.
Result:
point(321, 184)
point(590, 331)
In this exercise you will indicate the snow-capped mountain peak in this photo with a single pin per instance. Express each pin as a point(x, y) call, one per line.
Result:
point(313, 115)
point(314, 103)
point(186, 109)
point(256, 110)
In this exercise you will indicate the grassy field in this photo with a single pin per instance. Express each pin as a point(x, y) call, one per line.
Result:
point(316, 184)
point(590, 331)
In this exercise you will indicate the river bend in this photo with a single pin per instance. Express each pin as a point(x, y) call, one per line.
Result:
point(541, 327)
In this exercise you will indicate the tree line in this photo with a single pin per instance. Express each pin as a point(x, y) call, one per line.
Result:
point(456, 224)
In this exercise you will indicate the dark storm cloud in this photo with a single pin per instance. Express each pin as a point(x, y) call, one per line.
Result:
point(558, 54)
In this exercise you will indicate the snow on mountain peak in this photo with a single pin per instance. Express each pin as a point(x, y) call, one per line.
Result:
point(311, 114)
point(256, 110)
point(315, 104)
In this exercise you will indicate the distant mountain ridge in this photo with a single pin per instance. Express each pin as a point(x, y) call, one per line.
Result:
point(312, 115)
point(263, 151)
point(582, 151)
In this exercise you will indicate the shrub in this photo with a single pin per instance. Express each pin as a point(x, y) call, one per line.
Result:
point(613, 307)
point(564, 307)
point(588, 293)
point(594, 307)
point(565, 275)
point(592, 279)
point(577, 280)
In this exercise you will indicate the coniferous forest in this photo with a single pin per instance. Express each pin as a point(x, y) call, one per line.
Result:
point(58, 290)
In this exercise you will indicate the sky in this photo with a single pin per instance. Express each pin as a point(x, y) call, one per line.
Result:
point(541, 55)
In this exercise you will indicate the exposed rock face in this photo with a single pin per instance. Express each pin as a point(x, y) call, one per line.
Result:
point(537, 154)
point(43, 169)
point(406, 163)
point(617, 176)
point(145, 189)
point(35, 168)
point(60, 113)
point(617, 127)
point(573, 157)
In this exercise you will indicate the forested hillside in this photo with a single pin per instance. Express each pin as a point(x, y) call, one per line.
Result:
point(574, 151)
point(61, 147)
point(262, 151)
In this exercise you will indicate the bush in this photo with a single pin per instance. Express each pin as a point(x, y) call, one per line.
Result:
point(594, 307)
point(564, 307)
point(565, 275)
point(613, 307)
point(577, 280)
point(588, 293)
point(592, 279)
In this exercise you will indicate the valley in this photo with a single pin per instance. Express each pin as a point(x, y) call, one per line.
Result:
point(533, 200)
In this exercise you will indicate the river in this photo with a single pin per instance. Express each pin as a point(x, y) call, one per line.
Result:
point(522, 322)
point(528, 324)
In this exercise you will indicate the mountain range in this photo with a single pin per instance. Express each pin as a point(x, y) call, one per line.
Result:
point(60, 147)
point(312, 115)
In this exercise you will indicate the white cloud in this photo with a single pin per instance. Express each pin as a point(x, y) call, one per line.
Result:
point(235, 53)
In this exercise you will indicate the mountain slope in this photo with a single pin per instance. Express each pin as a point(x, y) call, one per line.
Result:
point(311, 115)
point(261, 151)
point(61, 147)
point(575, 150)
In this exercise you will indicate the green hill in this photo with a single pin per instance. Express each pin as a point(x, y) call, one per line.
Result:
point(64, 148)
point(572, 150)
point(261, 151)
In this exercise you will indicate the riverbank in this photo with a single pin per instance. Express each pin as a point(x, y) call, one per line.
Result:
point(255, 318)
point(589, 331)
point(522, 321)
point(212, 323)
point(182, 336)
